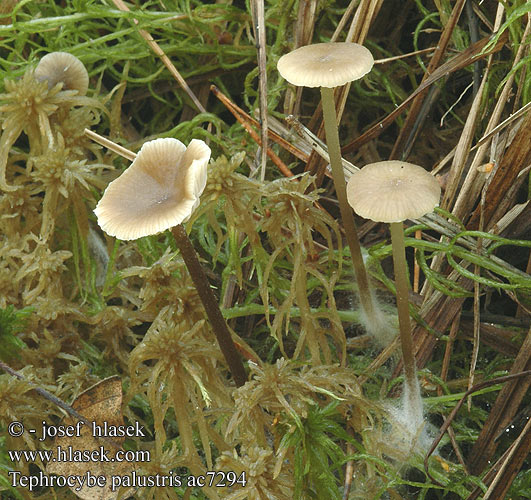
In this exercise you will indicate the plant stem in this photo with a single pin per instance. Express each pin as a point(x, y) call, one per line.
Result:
point(210, 304)
point(307, 329)
point(47, 395)
point(402, 304)
point(56, 401)
point(347, 214)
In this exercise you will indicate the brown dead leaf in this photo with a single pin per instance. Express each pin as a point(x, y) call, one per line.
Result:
point(88, 459)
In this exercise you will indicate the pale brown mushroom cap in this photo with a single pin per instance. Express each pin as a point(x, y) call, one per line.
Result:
point(159, 190)
point(392, 191)
point(63, 67)
point(325, 64)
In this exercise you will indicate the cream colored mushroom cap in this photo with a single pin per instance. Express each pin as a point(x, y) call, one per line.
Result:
point(392, 191)
point(325, 64)
point(63, 67)
point(159, 190)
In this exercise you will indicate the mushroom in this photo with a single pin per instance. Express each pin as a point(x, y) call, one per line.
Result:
point(393, 191)
point(63, 67)
point(330, 65)
point(327, 65)
point(159, 191)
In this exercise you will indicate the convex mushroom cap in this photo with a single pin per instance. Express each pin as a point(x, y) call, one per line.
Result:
point(159, 190)
point(325, 64)
point(392, 191)
point(63, 67)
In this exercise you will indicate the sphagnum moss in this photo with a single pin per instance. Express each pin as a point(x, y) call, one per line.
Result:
point(240, 198)
point(263, 479)
point(186, 366)
point(45, 182)
point(29, 105)
point(292, 219)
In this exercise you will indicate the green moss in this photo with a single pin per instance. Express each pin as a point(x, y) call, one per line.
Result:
point(12, 322)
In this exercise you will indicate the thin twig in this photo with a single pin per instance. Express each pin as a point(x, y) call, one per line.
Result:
point(45, 394)
point(465, 58)
point(416, 268)
point(258, 13)
point(244, 119)
point(498, 128)
point(450, 418)
point(448, 352)
point(349, 470)
point(457, 450)
point(475, 349)
point(116, 148)
point(510, 465)
point(403, 56)
point(418, 112)
point(155, 47)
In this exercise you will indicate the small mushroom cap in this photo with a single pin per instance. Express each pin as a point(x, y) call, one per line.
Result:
point(393, 191)
point(159, 190)
point(325, 64)
point(63, 67)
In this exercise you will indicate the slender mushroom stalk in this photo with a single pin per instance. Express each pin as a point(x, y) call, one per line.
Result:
point(331, 65)
point(159, 191)
point(404, 322)
point(347, 216)
point(210, 304)
point(393, 191)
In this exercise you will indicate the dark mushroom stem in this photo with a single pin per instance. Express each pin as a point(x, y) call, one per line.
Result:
point(404, 322)
point(347, 215)
point(210, 304)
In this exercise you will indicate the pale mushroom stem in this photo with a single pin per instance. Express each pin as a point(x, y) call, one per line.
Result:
point(402, 305)
point(347, 215)
point(210, 304)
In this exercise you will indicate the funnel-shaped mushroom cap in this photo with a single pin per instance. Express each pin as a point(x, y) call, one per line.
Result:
point(392, 191)
point(63, 67)
point(159, 190)
point(325, 64)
